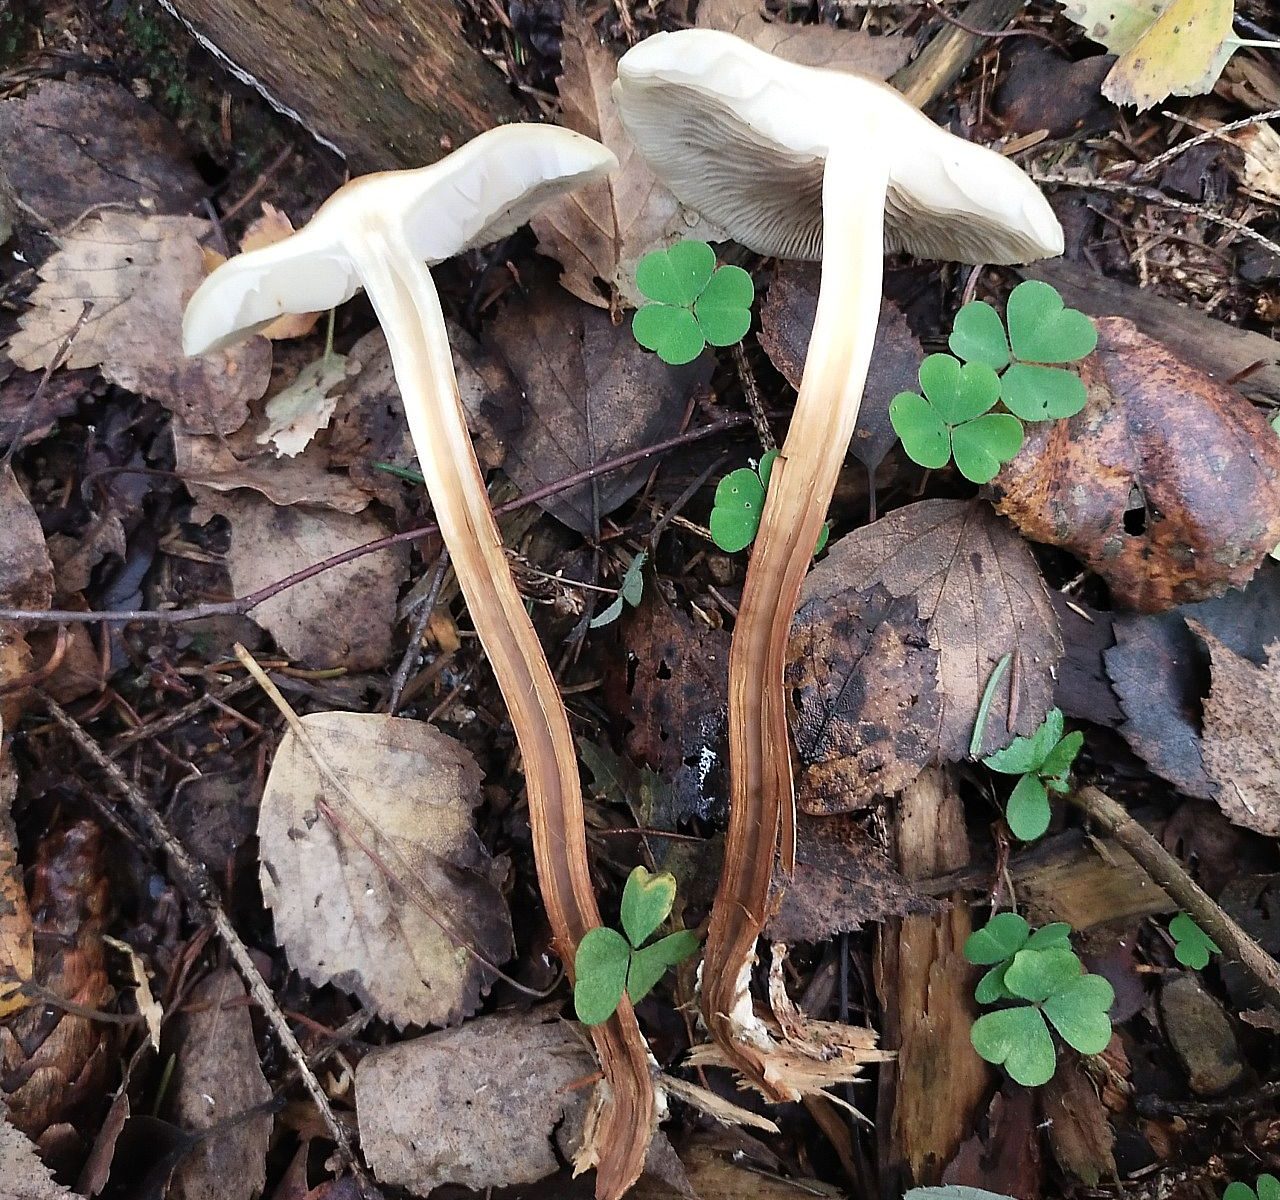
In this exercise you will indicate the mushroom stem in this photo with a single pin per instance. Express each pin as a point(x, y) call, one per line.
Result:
point(402, 292)
point(762, 801)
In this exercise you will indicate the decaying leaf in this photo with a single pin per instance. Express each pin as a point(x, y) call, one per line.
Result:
point(25, 1176)
point(475, 1106)
point(727, 1165)
point(786, 323)
point(1167, 483)
point(138, 272)
point(16, 949)
point(342, 617)
point(239, 461)
point(53, 1058)
point(29, 411)
point(842, 882)
point(591, 394)
point(1241, 738)
point(1003, 1156)
point(877, 56)
point(673, 699)
point(1165, 47)
point(26, 581)
point(599, 232)
point(72, 144)
point(980, 594)
point(219, 1077)
point(386, 901)
point(863, 682)
point(298, 412)
point(1161, 672)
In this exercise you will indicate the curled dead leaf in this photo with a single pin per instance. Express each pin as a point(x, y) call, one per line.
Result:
point(1167, 483)
point(383, 899)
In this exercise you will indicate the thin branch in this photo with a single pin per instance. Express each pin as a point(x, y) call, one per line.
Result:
point(192, 877)
point(1207, 135)
point(1166, 871)
point(243, 604)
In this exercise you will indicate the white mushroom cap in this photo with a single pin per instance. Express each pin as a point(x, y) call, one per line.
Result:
point(742, 137)
point(481, 192)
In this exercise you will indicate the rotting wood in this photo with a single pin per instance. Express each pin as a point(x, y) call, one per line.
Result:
point(951, 50)
point(929, 1098)
point(386, 85)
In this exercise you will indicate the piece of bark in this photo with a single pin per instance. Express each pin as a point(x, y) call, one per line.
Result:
point(1220, 350)
point(386, 85)
point(951, 50)
point(932, 1092)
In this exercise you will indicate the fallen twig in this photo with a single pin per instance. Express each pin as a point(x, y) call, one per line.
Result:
point(193, 879)
point(1166, 871)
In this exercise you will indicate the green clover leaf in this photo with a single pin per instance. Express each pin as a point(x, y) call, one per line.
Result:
point(1042, 393)
point(925, 435)
point(724, 308)
point(978, 336)
point(735, 515)
point(958, 391)
point(650, 964)
point(1043, 330)
point(1079, 1012)
point(1268, 1188)
point(1044, 762)
point(1019, 1040)
point(1025, 754)
point(600, 969)
point(646, 903)
point(982, 446)
point(693, 302)
point(1038, 974)
point(998, 940)
point(1055, 936)
point(1191, 945)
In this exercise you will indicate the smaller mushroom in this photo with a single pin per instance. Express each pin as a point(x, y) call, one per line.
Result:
point(807, 163)
point(381, 233)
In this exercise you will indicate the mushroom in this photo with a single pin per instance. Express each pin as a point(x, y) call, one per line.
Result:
point(380, 233)
point(806, 163)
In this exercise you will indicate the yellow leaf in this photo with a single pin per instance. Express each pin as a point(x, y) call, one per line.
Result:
point(1181, 53)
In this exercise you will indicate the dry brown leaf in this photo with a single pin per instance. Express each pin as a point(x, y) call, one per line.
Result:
point(600, 231)
point(1241, 735)
point(29, 410)
point(1167, 484)
point(25, 1176)
point(875, 55)
point(138, 272)
point(270, 227)
point(342, 617)
point(72, 144)
point(339, 917)
point(725, 1165)
point(1079, 1128)
point(16, 951)
point(218, 1077)
point(74, 558)
point(26, 581)
point(475, 1106)
point(980, 593)
point(786, 324)
point(591, 394)
point(863, 684)
point(842, 882)
point(53, 1058)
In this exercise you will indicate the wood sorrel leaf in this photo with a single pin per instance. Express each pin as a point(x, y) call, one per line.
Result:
point(959, 391)
point(646, 901)
point(676, 275)
point(1079, 1012)
point(978, 336)
point(1042, 393)
point(982, 446)
point(650, 964)
point(1028, 811)
point(925, 436)
point(1018, 1039)
point(670, 332)
point(600, 970)
point(724, 308)
point(999, 939)
point(1038, 974)
point(1043, 330)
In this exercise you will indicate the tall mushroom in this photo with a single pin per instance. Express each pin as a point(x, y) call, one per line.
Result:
point(802, 162)
point(380, 233)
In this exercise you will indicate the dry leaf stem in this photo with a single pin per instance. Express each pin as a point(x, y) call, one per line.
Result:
point(194, 881)
point(762, 800)
point(1169, 874)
